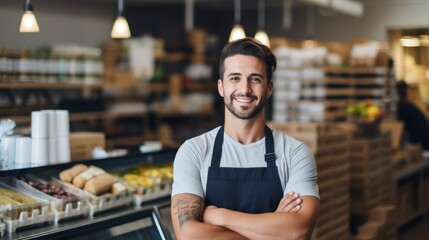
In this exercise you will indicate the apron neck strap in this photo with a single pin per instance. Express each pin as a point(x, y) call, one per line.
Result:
point(270, 156)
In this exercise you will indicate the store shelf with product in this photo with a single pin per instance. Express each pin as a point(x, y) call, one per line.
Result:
point(146, 177)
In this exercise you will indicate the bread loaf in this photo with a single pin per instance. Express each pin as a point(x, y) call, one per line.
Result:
point(83, 177)
point(69, 174)
point(100, 184)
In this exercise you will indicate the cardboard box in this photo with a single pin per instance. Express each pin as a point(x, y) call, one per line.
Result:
point(83, 143)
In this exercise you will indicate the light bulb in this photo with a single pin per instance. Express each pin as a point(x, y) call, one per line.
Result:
point(120, 28)
point(262, 36)
point(237, 32)
point(28, 23)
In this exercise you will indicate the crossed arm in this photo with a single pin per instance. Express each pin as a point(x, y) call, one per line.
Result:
point(294, 218)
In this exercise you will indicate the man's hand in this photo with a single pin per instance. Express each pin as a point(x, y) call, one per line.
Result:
point(290, 202)
point(212, 215)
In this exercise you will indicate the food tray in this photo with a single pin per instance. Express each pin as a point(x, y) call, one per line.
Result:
point(24, 214)
point(149, 181)
point(61, 208)
point(151, 193)
point(100, 203)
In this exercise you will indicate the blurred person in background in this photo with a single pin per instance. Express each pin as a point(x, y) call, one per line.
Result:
point(416, 123)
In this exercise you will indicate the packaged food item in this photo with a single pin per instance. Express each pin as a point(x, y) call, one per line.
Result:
point(100, 184)
point(118, 187)
point(83, 177)
point(69, 174)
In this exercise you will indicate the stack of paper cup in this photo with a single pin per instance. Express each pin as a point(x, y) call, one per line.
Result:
point(8, 145)
point(63, 136)
point(52, 136)
point(39, 136)
point(23, 152)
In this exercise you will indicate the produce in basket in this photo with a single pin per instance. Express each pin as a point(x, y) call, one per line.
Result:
point(50, 189)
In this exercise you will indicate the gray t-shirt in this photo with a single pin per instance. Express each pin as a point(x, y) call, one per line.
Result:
point(295, 162)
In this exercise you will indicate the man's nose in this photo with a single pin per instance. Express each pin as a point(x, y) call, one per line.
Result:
point(245, 86)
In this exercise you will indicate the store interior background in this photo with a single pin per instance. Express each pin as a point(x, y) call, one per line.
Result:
point(89, 23)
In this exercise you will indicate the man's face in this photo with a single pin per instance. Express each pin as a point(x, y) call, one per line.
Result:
point(244, 86)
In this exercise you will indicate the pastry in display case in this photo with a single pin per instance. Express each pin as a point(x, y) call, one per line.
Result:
point(102, 190)
point(149, 181)
point(17, 209)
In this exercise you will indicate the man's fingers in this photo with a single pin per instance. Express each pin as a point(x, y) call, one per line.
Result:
point(289, 203)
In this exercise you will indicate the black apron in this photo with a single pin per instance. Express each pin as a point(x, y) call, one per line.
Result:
point(249, 190)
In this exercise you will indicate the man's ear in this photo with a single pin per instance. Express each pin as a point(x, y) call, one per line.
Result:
point(220, 87)
point(270, 89)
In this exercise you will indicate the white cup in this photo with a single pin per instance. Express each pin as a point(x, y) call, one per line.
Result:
point(23, 152)
point(62, 125)
point(39, 152)
point(63, 146)
point(39, 124)
point(52, 123)
point(8, 144)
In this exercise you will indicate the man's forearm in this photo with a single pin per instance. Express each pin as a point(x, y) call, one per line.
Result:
point(277, 225)
point(187, 217)
point(199, 230)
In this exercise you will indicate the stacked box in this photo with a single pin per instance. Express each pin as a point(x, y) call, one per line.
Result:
point(381, 224)
point(330, 146)
point(308, 90)
point(372, 180)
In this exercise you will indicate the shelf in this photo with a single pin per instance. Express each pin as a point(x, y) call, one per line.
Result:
point(163, 86)
point(200, 86)
point(157, 87)
point(356, 70)
point(134, 158)
point(48, 86)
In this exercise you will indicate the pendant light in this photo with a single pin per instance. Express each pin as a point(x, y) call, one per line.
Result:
point(120, 27)
point(28, 21)
point(237, 31)
point(261, 35)
point(310, 42)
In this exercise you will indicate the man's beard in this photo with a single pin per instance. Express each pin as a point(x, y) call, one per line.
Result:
point(245, 113)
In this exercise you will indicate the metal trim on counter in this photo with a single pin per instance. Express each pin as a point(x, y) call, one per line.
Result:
point(109, 219)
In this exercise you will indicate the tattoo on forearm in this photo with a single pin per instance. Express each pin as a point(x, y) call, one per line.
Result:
point(187, 210)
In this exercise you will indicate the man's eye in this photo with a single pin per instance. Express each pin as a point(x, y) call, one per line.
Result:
point(256, 80)
point(234, 79)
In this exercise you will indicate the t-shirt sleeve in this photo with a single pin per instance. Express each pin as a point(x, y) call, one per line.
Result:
point(186, 171)
point(303, 173)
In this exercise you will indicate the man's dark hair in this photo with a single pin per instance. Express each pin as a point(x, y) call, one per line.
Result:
point(250, 47)
point(401, 87)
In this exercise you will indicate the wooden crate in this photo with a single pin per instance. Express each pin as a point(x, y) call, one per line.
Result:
point(330, 146)
point(83, 143)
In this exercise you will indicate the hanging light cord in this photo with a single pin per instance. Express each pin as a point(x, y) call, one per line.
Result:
point(28, 6)
point(261, 14)
point(237, 13)
point(120, 8)
point(310, 21)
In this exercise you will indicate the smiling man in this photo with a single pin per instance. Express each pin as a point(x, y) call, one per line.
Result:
point(244, 180)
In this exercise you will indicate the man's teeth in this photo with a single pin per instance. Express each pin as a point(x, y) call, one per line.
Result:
point(243, 100)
